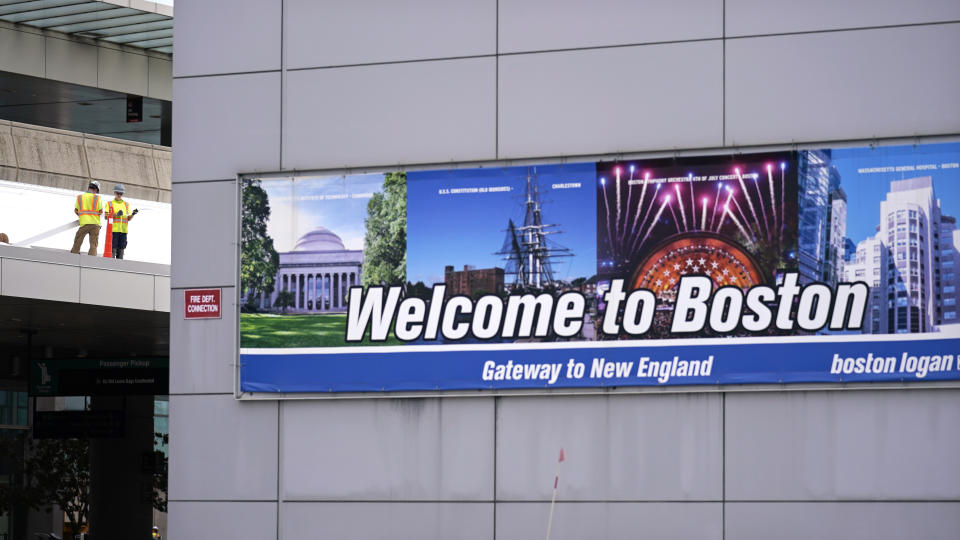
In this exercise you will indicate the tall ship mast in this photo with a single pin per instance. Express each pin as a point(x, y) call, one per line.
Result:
point(529, 252)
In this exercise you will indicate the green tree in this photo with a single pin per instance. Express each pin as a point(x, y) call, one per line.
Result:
point(284, 300)
point(258, 258)
point(49, 472)
point(479, 292)
point(419, 290)
point(160, 462)
point(385, 244)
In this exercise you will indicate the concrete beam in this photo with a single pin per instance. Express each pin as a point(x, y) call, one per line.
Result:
point(70, 160)
point(43, 274)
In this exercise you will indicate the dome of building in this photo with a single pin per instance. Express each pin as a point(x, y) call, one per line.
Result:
point(319, 239)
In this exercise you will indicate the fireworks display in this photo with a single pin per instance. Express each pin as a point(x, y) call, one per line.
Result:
point(646, 203)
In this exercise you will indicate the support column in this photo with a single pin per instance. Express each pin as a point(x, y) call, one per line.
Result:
point(120, 487)
point(299, 291)
point(309, 297)
point(353, 282)
point(296, 293)
point(336, 292)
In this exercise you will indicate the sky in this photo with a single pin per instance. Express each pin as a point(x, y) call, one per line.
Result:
point(448, 228)
point(300, 205)
point(865, 190)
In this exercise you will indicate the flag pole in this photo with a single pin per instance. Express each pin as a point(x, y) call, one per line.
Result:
point(553, 500)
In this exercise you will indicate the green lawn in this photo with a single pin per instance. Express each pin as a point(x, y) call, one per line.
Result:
point(263, 330)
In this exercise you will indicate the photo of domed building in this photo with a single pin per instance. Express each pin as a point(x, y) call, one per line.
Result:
point(319, 272)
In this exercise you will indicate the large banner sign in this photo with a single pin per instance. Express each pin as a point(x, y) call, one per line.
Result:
point(834, 265)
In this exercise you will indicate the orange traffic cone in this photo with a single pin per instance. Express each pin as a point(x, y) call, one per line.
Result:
point(108, 241)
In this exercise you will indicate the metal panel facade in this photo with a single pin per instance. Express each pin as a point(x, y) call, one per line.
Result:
point(677, 465)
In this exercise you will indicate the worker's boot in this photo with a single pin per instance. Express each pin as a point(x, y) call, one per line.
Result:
point(114, 252)
point(119, 253)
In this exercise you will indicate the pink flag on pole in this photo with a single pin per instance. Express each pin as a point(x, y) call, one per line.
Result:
point(562, 456)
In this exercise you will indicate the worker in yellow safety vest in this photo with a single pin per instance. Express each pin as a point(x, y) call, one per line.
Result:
point(119, 210)
point(88, 208)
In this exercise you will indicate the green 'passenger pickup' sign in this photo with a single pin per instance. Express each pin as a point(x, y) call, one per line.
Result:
point(100, 376)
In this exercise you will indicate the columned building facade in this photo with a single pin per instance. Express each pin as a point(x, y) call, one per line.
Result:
point(318, 272)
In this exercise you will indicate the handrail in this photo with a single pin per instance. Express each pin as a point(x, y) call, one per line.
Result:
point(47, 234)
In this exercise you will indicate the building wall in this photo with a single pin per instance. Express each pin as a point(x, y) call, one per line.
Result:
point(949, 255)
point(870, 266)
point(270, 85)
point(85, 61)
point(468, 281)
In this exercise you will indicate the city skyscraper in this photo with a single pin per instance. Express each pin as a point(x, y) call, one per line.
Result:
point(870, 266)
point(822, 220)
point(833, 264)
point(910, 263)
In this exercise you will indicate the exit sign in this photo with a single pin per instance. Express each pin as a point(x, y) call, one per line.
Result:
point(201, 304)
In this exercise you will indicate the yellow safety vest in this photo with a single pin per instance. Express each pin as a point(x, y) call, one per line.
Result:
point(119, 222)
point(88, 206)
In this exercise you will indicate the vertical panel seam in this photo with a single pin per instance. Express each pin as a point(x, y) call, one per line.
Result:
point(723, 465)
point(283, 79)
point(496, 105)
point(723, 76)
point(496, 402)
point(279, 441)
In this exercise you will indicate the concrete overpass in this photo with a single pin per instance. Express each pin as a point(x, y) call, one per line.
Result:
point(81, 305)
point(65, 159)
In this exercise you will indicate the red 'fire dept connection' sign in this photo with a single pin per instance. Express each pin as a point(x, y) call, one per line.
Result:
point(201, 304)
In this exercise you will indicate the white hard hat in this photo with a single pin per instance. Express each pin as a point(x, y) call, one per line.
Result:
point(94, 184)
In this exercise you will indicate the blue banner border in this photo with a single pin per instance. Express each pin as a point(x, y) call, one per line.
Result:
point(438, 368)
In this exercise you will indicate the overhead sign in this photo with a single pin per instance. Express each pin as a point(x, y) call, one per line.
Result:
point(201, 304)
point(134, 108)
point(811, 266)
point(100, 377)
